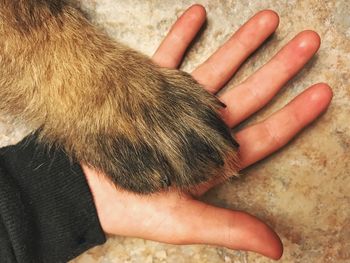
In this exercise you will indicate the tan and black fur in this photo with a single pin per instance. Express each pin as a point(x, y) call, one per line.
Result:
point(108, 106)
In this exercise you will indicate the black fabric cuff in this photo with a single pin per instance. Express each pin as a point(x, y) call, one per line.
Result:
point(46, 206)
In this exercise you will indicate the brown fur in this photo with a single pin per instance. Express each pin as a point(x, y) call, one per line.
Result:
point(108, 106)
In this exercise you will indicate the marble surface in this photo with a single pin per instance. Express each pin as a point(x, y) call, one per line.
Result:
point(303, 191)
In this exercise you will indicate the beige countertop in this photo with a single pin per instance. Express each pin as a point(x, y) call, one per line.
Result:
point(303, 191)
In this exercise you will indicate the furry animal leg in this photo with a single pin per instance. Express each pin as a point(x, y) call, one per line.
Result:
point(108, 106)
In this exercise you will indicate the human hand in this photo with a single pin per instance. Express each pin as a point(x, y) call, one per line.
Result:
point(178, 218)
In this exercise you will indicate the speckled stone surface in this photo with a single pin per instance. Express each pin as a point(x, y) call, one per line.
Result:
point(303, 191)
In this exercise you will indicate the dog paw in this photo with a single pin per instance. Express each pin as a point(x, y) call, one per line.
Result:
point(172, 136)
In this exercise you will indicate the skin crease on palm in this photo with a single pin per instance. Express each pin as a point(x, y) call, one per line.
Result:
point(179, 218)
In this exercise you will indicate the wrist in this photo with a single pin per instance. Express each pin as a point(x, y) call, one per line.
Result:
point(101, 189)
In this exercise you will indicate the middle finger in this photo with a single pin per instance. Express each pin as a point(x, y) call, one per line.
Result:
point(256, 91)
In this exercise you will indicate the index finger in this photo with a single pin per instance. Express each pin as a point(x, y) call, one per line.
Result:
point(262, 139)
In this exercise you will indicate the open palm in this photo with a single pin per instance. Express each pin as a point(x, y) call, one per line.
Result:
point(179, 218)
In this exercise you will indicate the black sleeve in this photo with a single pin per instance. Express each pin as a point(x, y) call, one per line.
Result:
point(47, 212)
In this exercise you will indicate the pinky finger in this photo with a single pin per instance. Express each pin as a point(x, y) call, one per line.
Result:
point(172, 49)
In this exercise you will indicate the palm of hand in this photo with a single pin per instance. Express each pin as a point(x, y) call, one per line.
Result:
point(179, 218)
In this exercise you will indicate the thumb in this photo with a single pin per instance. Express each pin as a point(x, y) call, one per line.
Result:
point(232, 229)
